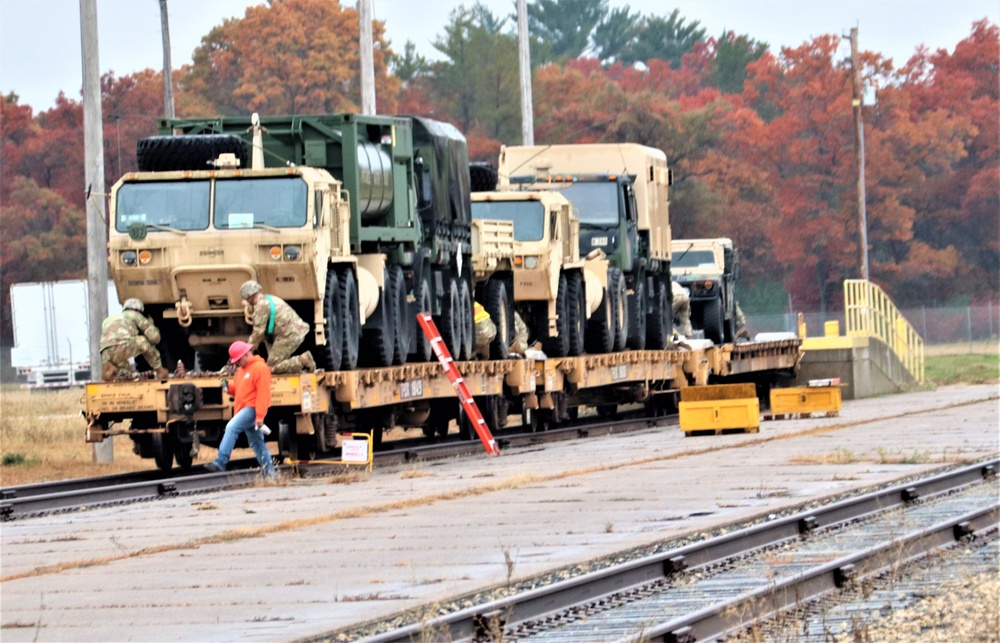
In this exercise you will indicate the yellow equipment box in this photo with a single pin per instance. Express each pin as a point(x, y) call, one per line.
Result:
point(720, 409)
point(804, 401)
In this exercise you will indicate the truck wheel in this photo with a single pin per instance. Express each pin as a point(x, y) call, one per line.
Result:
point(192, 152)
point(404, 320)
point(730, 327)
point(637, 308)
point(352, 319)
point(500, 310)
point(467, 321)
point(616, 283)
point(330, 356)
point(422, 351)
point(450, 323)
point(576, 300)
point(601, 327)
point(378, 337)
point(557, 346)
point(711, 320)
point(658, 321)
point(163, 450)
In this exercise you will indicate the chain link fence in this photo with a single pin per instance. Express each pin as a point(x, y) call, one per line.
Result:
point(955, 325)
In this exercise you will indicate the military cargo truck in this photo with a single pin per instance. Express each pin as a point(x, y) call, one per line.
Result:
point(709, 269)
point(358, 222)
point(620, 194)
point(526, 257)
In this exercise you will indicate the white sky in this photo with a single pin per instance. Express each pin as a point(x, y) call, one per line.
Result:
point(40, 39)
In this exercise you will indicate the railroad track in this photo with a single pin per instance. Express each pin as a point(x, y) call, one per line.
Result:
point(720, 586)
point(25, 501)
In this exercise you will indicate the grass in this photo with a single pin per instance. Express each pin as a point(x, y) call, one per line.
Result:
point(942, 370)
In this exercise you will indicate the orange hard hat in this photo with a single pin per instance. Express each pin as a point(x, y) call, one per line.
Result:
point(237, 350)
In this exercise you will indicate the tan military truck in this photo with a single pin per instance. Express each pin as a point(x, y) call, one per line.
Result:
point(709, 269)
point(619, 192)
point(526, 257)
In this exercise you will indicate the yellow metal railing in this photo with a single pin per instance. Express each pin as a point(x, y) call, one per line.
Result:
point(870, 313)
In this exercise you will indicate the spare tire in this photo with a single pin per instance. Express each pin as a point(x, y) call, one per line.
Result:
point(193, 152)
point(483, 177)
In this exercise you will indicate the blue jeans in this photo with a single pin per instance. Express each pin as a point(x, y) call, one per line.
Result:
point(245, 422)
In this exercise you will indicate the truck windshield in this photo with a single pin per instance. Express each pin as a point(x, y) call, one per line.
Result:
point(693, 259)
point(181, 205)
point(243, 203)
point(528, 217)
point(595, 203)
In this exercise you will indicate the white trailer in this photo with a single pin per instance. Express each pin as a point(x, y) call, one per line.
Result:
point(52, 331)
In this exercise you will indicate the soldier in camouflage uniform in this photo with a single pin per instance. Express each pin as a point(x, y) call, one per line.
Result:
point(682, 309)
point(486, 330)
point(519, 344)
point(127, 335)
point(281, 329)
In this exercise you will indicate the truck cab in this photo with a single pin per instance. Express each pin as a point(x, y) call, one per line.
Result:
point(709, 269)
point(526, 243)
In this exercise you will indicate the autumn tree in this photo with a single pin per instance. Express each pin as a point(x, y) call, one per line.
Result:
point(291, 57)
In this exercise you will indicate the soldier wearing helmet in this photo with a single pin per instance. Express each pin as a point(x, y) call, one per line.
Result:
point(280, 328)
point(126, 335)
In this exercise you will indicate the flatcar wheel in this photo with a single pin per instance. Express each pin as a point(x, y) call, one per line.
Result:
point(182, 454)
point(607, 411)
point(163, 450)
point(288, 441)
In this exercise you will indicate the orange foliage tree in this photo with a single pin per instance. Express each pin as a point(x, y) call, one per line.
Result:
point(290, 57)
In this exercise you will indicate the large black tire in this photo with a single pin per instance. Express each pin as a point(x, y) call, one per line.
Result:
point(422, 351)
point(468, 321)
point(163, 450)
point(601, 327)
point(352, 319)
point(660, 318)
point(449, 323)
point(712, 321)
point(730, 328)
point(378, 337)
point(483, 177)
point(404, 320)
point(616, 283)
point(576, 300)
point(329, 357)
point(557, 346)
point(638, 306)
point(193, 152)
point(501, 311)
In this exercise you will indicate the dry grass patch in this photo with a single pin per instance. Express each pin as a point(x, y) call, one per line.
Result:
point(840, 456)
point(42, 439)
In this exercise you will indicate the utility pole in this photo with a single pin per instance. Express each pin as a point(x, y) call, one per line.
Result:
point(366, 45)
point(524, 60)
point(859, 151)
point(97, 233)
point(168, 74)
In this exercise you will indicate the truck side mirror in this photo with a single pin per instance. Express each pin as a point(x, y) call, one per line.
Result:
point(423, 186)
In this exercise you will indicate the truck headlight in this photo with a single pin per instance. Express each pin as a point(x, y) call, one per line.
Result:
point(292, 253)
point(531, 263)
point(129, 258)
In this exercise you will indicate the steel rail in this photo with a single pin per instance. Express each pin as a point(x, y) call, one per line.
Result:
point(494, 616)
point(30, 500)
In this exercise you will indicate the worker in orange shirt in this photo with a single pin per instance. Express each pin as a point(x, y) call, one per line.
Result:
point(251, 388)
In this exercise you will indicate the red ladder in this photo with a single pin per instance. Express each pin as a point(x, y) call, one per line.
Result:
point(458, 383)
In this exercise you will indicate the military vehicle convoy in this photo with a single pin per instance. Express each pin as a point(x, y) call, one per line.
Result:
point(709, 269)
point(359, 222)
point(619, 192)
point(526, 257)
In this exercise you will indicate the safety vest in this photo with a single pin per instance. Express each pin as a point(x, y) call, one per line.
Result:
point(480, 313)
